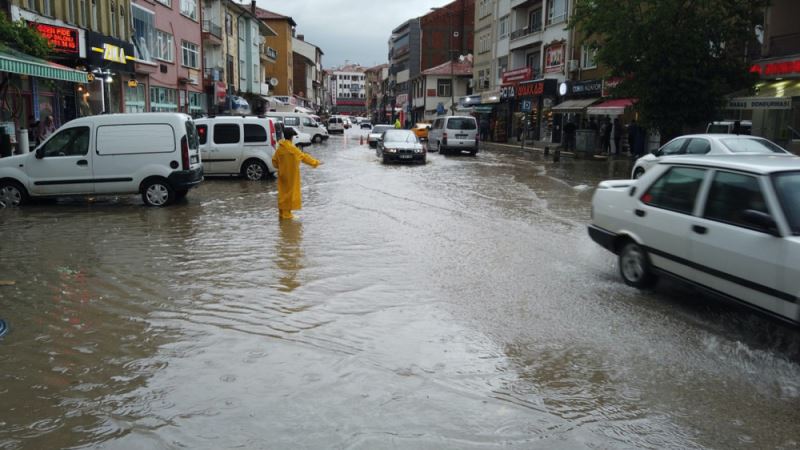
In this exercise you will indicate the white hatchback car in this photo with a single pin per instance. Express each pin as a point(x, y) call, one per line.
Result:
point(706, 144)
point(729, 224)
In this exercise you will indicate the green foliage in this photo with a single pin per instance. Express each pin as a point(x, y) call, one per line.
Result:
point(23, 38)
point(678, 57)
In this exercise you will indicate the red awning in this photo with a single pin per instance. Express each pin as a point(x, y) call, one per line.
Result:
point(613, 107)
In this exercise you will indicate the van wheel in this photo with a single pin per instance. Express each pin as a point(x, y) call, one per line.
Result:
point(12, 194)
point(634, 266)
point(317, 139)
point(254, 170)
point(157, 192)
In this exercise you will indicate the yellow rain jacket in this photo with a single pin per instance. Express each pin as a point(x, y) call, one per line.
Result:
point(287, 162)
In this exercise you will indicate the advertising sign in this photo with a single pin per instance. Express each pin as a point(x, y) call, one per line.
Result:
point(517, 75)
point(63, 39)
point(108, 52)
point(554, 58)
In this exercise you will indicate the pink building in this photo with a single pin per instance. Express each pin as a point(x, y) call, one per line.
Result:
point(168, 41)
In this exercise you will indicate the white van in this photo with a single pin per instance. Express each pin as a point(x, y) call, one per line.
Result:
point(302, 122)
point(237, 145)
point(154, 154)
point(336, 124)
point(453, 134)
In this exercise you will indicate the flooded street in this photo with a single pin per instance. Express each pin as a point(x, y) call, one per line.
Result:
point(460, 304)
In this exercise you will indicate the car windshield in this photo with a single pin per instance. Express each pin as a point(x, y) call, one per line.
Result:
point(751, 145)
point(381, 128)
point(404, 136)
point(787, 186)
point(461, 124)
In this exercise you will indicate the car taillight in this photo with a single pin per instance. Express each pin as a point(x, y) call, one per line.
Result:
point(185, 153)
point(444, 138)
point(272, 133)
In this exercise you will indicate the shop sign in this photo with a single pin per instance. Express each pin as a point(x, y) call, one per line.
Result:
point(760, 103)
point(109, 52)
point(508, 91)
point(590, 88)
point(133, 83)
point(401, 99)
point(431, 93)
point(554, 59)
point(220, 92)
point(609, 84)
point(776, 68)
point(63, 39)
point(516, 75)
point(540, 87)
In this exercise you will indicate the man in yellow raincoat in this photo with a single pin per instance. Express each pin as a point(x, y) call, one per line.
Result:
point(397, 123)
point(286, 161)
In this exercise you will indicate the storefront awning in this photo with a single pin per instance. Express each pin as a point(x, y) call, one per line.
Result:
point(769, 95)
point(575, 105)
point(611, 107)
point(12, 61)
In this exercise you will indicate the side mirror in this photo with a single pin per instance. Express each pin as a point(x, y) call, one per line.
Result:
point(39, 153)
point(760, 220)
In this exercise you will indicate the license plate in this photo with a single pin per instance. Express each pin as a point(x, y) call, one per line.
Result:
point(461, 136)
point(405, 156)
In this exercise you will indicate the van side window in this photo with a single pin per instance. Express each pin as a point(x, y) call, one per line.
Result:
point(291, 121)
point(69, 142)
point(676, 190)
point(202, 133)
point(226, 133)
point(731, 194)
point(254, 133)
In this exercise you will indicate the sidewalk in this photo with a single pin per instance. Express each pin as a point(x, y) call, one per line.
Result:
point(539, 146)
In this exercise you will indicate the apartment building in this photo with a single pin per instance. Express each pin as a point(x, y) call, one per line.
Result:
point(307, 76)
point(282, 69)
point(347, 90)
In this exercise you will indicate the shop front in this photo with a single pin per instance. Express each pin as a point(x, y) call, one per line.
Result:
point(530, 110)
point(576, 97)
point(110, 61)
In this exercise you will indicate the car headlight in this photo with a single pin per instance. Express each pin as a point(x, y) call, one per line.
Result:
point(418, 150)
point(391, 150)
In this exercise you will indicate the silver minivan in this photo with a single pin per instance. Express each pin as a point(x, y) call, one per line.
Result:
point(454, 134)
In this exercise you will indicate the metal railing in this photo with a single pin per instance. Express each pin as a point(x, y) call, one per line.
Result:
point(522, 32)
point(212, 28)
point(215, 73)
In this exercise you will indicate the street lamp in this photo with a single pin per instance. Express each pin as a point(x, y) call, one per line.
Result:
point(450, 58)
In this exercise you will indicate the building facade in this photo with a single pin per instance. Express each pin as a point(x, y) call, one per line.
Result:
point(282, 70)
point(307, 77)
point(347, 90)
point(375, 94)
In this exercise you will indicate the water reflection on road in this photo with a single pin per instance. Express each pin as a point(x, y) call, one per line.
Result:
point(453, 305)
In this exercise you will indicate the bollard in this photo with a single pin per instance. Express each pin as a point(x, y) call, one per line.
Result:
point(361, 140)
point(546, 150)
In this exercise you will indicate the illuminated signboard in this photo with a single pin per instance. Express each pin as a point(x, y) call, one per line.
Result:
point(63, 39)
point(777, 68)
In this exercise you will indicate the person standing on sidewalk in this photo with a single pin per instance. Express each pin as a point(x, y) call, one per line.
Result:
point(287, 161)
point(617, 136)
point(569, 136)
point(605, 135)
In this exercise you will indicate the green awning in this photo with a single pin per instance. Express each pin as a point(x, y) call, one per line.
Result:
point(12, 61)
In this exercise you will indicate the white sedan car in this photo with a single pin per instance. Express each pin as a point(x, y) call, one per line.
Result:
point(729, 224)
point(376, 132)
point(706, 144)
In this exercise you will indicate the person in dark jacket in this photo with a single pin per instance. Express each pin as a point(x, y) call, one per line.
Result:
point(617, 136)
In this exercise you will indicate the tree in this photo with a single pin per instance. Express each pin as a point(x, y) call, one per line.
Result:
point(677, 57)
point(23, 38)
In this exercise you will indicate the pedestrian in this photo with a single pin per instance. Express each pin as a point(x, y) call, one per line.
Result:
point(605, 135)
point(595, 132)
point(287, 161)
point(46, 128)
point(484, 129)
point(397, 123)
point(569, 135)
point(617, 136)
point(635, 140)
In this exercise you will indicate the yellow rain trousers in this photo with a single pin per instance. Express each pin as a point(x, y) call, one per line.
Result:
point(286, 161)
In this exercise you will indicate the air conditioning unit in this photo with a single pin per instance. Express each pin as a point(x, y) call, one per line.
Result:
point(572, 65)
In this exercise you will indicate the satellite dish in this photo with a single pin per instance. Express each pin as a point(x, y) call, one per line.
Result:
point(273, 81)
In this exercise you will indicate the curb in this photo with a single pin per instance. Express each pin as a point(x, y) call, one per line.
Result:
point(529, 148)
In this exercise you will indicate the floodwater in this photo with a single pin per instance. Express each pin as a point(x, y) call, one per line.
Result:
point(457, 305)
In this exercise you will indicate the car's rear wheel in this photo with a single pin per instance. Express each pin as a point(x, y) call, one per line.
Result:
point(12, 193)
point(638, 173)
point(254, 170)
point(634, 266)
point(157, 192)
point(317, 138)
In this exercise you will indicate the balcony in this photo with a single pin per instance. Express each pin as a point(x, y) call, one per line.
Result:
point(214, 74)
point(267, 53)
point(525, 37)
point(212, 33)
point(522, 32)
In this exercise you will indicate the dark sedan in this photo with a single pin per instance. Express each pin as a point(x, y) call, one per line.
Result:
point(400, 146)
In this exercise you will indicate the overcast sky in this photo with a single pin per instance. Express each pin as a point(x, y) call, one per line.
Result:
point(350, 30)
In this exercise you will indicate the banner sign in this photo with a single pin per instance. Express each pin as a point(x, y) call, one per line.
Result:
point(760, 103)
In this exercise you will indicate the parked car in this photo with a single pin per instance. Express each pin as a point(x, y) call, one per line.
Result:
point(375, 134)
point(706, 144)
point(302, 122)
point(730, 224)
point(347, 123)
point(729, 127)
point(154, 154)
point(421, 130)
point(400, 146)
point(336, 124)
point(453, 134)
point(238, 145)
point(366, 125)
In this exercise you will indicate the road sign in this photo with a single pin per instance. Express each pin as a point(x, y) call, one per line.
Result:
point(526, 105)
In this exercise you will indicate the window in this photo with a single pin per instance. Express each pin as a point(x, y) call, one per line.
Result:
point(443, 88)
point(676, 190)
point(588, 56)
point(134, 98)
point(113, 18)
point(226, 133)
point(190, 55)
point(164, 46)
point(751, 145)
point(70, 142)
point(123, 30)
point(189, 8)
point(557, 11)
point(72, 15)
point(254, 133)
point(461, 124)
point(228, 24)
point(165, 2)
point(95, 22)
point(85, 13)
point(32, 5)
point(787, 186)
point(291, 121)
point(674, 147)
point(485, 43)
point(503, 27)
point(163, 99)
point(229, 69)
point(197, 103)
point(731, 194)
point(534, 61)
point(698, 147)
point(144, 32)
point(535, 20)
point(49, 7)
